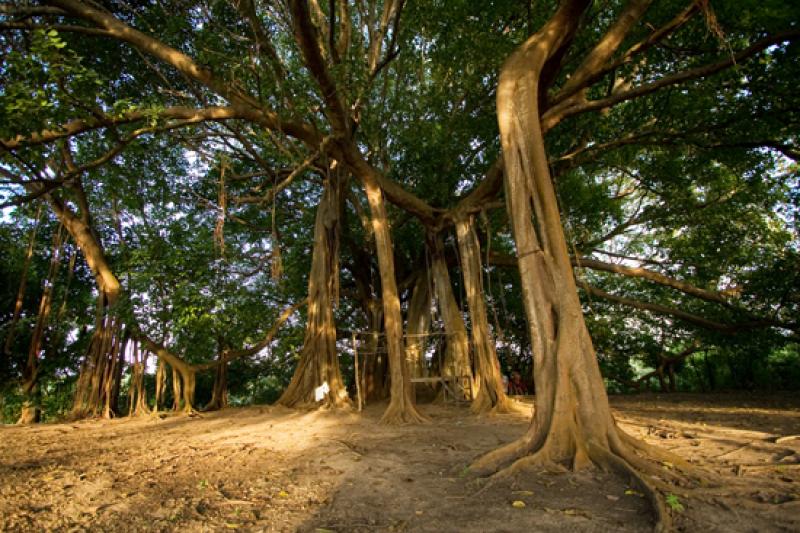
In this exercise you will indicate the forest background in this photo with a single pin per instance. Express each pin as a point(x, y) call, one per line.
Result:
point(189, 207)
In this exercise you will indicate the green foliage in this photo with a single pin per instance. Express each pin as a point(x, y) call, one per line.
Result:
point(695, 182)
point(674, 503)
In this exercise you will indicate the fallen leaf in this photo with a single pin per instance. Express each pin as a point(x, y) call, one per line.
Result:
point(519, 504)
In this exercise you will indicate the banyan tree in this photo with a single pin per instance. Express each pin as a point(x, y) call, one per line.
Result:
point(221, 165)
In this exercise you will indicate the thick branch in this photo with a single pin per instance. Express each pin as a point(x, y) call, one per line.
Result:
point(650, 275)
point(188, 115)
point(555, 115)
point(230, 355)
point(727, 329)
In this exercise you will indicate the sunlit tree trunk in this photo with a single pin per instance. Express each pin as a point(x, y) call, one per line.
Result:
point(319, 360)
point(137, 394)
point(488, 384)
point(402, 408)
point(572, 423)
point(161, 384)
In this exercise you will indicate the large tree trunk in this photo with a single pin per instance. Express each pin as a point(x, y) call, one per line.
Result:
point(402, 408)
point(419, 321)
point(374, 372)
point(319, 360)
point(161, 384)
point(93, 392)
point(137, 394)
point(573, 423)
point(456, 358)
point(31, 410)
point(488, 384)
point(219, 392)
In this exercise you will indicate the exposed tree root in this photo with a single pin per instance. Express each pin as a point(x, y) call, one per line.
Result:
point(653, 472)
point(396, 415)
point(484, 405)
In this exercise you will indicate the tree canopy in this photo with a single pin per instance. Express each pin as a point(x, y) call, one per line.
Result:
point(294, 180)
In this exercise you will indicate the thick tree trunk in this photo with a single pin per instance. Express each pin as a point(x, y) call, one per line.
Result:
point(219, 392)
point(419, 321)
point(401, 404)
point(177, 390)
point(137, 394)
point(374, 373)
point(573, 423)
point(31, 410)
point(456, 358)
point(161, 384)
point(94, 389)
point(319, 361)
point(488, 384)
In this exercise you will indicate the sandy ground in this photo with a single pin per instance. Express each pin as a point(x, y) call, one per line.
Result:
point(274, 469)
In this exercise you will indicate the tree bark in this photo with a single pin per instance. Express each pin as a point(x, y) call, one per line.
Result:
point(374, 373)
point(488, 383)
point(401, 403)
point(573, 423)
point(319, 360)
point(161, 384)
point(137, 394)
point(456, 359)
point(419, 321)
point(219, 392)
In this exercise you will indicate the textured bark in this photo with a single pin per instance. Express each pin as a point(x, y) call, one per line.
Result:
point(161, 384)
point(456, 358)
point(183, 380)
point(95, 383)
point(177, 390)
point(219, 392)
point(573, 423)
point(419, 321)
point(375, 362)
point(137, 394)
point(113, 376)
point(401, 404)
point(319, 360)
point(489, 393)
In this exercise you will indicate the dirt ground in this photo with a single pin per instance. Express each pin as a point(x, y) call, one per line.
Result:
point(274, 469)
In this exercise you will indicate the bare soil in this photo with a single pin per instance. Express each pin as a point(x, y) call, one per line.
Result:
point(275, 469)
